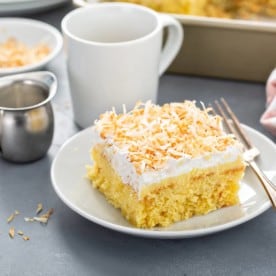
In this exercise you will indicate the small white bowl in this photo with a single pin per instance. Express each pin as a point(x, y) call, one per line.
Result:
point(82, 3)
point(30, 32)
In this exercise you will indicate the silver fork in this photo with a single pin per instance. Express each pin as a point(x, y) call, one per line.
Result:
point(250, 152)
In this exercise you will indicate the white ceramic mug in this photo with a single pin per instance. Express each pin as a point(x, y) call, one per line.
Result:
point(115, 55)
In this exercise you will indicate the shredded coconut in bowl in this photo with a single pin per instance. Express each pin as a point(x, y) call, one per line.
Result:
point(14, 53)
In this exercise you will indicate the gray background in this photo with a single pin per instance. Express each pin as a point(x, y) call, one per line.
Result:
point(72, 245)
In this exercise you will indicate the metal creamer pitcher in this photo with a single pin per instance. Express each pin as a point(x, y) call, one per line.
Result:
point(26, 115)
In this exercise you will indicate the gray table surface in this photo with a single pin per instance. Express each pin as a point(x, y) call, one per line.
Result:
point(72, 245)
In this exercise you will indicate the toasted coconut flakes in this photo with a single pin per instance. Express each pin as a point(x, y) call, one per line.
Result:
point(47, 215)
point(39, 208)
point(26, 238)
point(29, 219)
point(11, 232)
point(152, 134)
point(12, 216)
point(14, 53)
point(41, 219)
point(20, 233)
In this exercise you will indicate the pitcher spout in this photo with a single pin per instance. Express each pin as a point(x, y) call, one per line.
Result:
point(48, 79)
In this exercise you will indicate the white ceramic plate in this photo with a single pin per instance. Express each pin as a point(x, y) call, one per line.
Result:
point(68, 177)
point(8, 7)
point(30, 32)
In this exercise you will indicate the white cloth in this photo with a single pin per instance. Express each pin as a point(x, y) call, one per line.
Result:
point(268, 119)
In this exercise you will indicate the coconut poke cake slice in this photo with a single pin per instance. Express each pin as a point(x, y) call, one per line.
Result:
point(163, 164)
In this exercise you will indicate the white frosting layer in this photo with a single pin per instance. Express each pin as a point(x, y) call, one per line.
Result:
point(125, 169)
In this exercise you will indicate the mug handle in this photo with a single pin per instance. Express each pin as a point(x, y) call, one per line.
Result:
point(173, 42)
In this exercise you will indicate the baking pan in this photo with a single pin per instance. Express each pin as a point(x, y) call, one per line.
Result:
point(224, 48)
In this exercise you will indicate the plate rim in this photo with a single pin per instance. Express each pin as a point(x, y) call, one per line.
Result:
point(155, 233)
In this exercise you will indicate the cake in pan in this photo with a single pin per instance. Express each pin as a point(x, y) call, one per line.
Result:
point(213, 8)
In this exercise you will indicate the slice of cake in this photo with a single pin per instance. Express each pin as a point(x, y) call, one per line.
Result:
point(162, 164)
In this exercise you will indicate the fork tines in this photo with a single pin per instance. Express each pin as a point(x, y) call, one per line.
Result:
point(250, 152)
point(231, 121)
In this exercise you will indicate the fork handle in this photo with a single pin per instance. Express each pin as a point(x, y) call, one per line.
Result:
point(268, 185)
